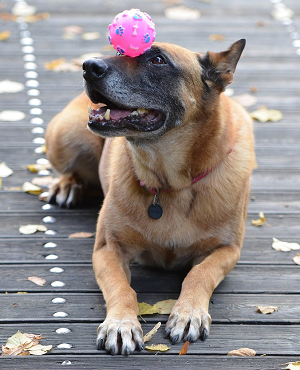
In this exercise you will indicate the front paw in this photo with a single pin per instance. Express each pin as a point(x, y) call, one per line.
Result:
point(66, 191)
point(120, 336)
point(187, 324)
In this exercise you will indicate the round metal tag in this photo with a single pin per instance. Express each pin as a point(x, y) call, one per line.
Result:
point(155, 212)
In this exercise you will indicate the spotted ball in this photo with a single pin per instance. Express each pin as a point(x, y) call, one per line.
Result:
point(132, 32)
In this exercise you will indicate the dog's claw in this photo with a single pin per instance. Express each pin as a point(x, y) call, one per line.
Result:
point(167, 333)
point(204, 335)
point(100, 344)
point(140, 346)
point(175, 339)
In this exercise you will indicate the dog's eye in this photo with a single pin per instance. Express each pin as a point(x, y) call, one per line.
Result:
point(158, 60)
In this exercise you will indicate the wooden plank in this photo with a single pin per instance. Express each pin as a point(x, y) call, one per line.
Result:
point(222, 339)
point(87, 307)
point(244, 279)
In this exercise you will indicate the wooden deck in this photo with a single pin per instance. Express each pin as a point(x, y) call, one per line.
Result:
point(262, 277)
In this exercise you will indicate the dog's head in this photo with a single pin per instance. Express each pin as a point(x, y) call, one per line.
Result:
point(162, 89)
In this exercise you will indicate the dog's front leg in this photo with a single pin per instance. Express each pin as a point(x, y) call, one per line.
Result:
point(189, 319)
point(121, 331)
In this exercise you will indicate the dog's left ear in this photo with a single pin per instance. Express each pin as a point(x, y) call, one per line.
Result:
point(218, 68)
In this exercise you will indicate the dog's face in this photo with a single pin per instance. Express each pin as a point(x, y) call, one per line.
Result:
point(148, 95)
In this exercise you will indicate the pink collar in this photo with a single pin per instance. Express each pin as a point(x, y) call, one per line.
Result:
point(154, 191)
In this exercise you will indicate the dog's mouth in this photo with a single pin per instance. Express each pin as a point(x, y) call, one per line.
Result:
point(115, 118)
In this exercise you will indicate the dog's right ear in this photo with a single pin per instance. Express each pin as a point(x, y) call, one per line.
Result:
point(218, 68)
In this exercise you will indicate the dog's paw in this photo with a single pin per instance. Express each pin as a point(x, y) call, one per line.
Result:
point(187, 324)
point(120, 336)
point(66, 192)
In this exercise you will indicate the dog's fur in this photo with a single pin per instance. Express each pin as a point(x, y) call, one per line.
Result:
point(198, 128)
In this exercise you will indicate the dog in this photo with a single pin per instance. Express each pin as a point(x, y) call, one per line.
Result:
point(174, 156)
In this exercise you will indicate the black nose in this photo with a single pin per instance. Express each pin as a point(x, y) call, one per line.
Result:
point(94, 68)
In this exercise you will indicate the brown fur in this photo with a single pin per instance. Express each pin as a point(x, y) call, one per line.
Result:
point(202, 225)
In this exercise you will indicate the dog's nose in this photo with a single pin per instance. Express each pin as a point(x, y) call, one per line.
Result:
point(94, 68)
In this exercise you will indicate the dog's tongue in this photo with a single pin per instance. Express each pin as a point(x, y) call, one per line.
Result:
point(115, 114)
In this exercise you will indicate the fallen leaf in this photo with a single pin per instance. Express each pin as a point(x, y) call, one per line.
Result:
point(4, 35)
point(81, 234)
point(264, 115)
point(296, 259)
point(5, 171)
point(45, 181)
point(24, 344)
point(158, 347)
point(82, 58)
point(35, 168)
point(89, 36)
point(165, 307)
point(266, 310)
point(37, 280)
point(216, 37)
point(242, 352)
point(28, 187)
point(261, 221)
point(71, 32)
point(182, 13)
point(31, 229)
point(254, 89)
point(8, 86)
point(147, 309)
point(293, 365)
point(152, 332)
point(36, 17)
point(246, 100)
point(22, 9)
point(184, 348)
point(11, 115)
point(281, 246)
point(60, 65)
point(53, 64)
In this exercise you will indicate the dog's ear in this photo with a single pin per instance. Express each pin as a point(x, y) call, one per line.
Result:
point(218, 68)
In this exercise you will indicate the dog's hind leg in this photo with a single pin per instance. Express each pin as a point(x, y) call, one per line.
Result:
point(74, 153)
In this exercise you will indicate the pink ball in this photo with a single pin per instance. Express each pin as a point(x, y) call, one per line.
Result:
point(132, 32)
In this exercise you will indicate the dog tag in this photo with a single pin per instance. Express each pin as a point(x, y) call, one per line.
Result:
point(155, 211)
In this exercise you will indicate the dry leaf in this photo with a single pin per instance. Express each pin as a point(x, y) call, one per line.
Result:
point(71, 32)
point(281, 246)
point(28, 187)
point(152, 332)
point(184, 348)
point(182, 13)
point(31, 229)
point(35, 168)
point(246, 100)
point(158, 347)
point(266, 310)
point(11, 115)
point(293, 365)
point(264, 115)
point(216, 37)
point(165, 307)
point(37, 280)
point(53, 64)
point(24, 344)
point(242, 352)
point(91, 36)
point(296, 259)
point(60, 65)
point(8, 86)
point(81, 234)
point(5, 171)
point(4, 35)
point(261, 221)
point(254, 89)
point(147, 309)
point(45, 181)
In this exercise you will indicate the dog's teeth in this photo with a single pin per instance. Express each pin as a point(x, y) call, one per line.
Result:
point(89, 109)
point(134, 113)
point(107, 114)
point(142, 111)
point(101, 117)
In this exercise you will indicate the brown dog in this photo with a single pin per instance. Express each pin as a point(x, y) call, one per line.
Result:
point(175, 173)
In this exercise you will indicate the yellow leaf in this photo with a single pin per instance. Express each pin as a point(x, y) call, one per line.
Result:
point(147, 309)
point(242, 352)
point(266, 309)
point(281, 246)
point(4, 35)
point(5, 171)
point(31, 229)
point(264, 115)
point(165, 307)
point(152, 332)
point(0, 183)
point(81, 234)
point(35, 168)
point(261, 221)
point(28, 187)
point(37, 280)
point(53, 64)
point(293, 365)
point(216, 37)
point(296, 259)
point(158, 347)
point(24, 344)
point(39, 350)
point(184, 348)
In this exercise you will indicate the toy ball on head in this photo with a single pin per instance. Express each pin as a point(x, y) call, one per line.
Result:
point(132, 32)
